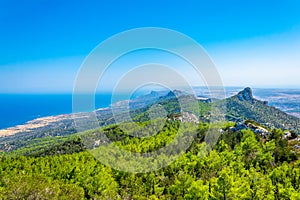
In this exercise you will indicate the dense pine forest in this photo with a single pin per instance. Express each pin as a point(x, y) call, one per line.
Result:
point(242, 165)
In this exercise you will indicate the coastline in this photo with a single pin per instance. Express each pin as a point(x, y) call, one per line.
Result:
point(33, 124)
point(277, 98)
point(41, 122)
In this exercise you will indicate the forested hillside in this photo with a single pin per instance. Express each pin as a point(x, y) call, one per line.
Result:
point(251, 159)
point(241, 166)
point(244, 106)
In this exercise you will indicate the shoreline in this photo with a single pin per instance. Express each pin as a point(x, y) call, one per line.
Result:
point(40, 122)
point(33, 124)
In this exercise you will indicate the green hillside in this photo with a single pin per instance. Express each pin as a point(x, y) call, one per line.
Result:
point(243, 106)
point(241, 166)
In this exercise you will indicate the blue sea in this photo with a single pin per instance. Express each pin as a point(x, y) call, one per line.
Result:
point(17, 109)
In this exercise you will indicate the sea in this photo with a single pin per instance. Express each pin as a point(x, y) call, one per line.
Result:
point(16, 109)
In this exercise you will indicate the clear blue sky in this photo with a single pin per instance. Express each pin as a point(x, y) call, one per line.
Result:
point(43, 42)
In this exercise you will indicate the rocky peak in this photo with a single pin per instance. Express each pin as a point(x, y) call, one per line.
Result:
point(245, 95)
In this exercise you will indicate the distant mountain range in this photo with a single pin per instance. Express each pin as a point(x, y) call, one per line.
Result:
point(239, 107)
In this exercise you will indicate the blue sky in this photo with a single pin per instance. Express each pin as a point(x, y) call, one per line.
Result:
point(43, 42)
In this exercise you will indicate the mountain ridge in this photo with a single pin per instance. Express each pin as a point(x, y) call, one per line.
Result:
point(242, 106)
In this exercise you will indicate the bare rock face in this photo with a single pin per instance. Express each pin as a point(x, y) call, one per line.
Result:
point(246, 95)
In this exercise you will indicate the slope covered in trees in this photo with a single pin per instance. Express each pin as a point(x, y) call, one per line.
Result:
point(241, 166)
point(244, 106)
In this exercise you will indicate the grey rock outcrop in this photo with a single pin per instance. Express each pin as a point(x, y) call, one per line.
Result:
point(245, 95)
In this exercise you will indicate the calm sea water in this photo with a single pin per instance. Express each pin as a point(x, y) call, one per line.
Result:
point(17, 109)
